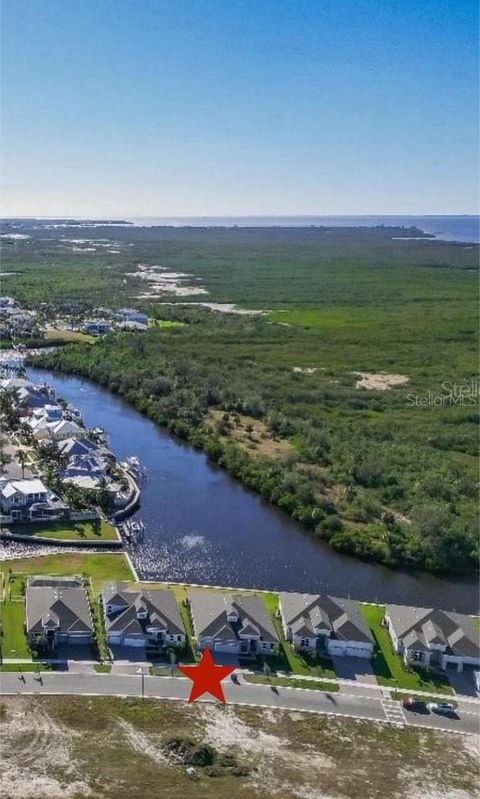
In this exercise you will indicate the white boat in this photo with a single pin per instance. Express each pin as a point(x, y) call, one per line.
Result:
point(132, 531)
point(133, 465)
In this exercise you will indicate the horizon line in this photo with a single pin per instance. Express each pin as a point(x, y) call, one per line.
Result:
point(123, 216)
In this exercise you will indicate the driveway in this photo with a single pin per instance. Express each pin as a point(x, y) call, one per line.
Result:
point(355, 669)
point(231, 659)
point(73, 653)
point(463, 682)
point(128, 654)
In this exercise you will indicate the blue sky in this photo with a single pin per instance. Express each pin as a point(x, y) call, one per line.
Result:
point(203, 107)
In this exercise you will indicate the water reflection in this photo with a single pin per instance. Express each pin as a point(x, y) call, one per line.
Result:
point(203, 527)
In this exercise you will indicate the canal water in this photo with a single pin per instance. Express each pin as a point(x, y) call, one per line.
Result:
point(201, 526)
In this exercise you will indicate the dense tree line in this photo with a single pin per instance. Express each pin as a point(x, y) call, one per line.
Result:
point(361, 472)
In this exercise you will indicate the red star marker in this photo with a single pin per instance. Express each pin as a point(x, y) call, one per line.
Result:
point(206, 677)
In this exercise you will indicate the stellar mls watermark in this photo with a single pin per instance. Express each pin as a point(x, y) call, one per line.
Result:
point(462, 395)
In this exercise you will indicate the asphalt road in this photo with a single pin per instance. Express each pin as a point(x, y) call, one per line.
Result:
point(338, 704)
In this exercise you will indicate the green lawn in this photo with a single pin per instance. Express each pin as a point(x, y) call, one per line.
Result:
point(304, 663)
point(94, 530)
point(97, 615)
point(98, 566)
point(102, 668)
point(168, 324)
point(25, 667)
point(389, 667)
point(289, 682)
point(14, 643)
point(69, 336)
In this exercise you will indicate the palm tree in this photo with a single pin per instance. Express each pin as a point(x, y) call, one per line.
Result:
point(22, 459)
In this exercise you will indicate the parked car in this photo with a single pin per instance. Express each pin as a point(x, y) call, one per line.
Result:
point(442, 708)
point(415, 705)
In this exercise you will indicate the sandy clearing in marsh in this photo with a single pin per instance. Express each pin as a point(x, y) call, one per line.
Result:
point(379, 381)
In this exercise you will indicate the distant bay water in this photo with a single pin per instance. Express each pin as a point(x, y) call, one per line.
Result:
point(448, 228)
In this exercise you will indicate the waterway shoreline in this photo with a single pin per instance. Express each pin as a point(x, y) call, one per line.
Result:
point(237, 539)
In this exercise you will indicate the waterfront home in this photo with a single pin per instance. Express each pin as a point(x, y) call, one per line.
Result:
point(436, 638)
point(132, 315)
point(76, 446)
point(325, 624)
point(64, 429)
point(97, 328)
point(20, 322)
point(18, 495)
point(30, 398)
point(232, 623)
point(70, 447)
point(28, 500)
point(49, 412)
point(44, 428)
point(84, 464)
point(40, 427)
point(57, 611)
point(132, 326)
point(15, 383)
point(141, 617)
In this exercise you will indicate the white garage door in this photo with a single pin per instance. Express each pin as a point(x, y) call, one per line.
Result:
point(79, 639)
point(336, 650)
point(225, 647)
point(134, 642)
point(355, 652)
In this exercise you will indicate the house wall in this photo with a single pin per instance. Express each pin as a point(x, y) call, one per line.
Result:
point(309, 646)
point(408, 656)
point(397, 645)
point(267, 646)
point(20, 500)
point(75, 639)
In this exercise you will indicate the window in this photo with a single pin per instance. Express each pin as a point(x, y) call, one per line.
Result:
point(418, 656)
point(179, 637)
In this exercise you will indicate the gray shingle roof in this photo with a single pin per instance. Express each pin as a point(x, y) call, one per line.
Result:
point(65, 606)
point(314, 612)
point(210, 611)
point(430, 626)
point(160, 605)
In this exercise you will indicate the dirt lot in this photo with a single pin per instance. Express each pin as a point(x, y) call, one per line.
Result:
point(106, 748)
